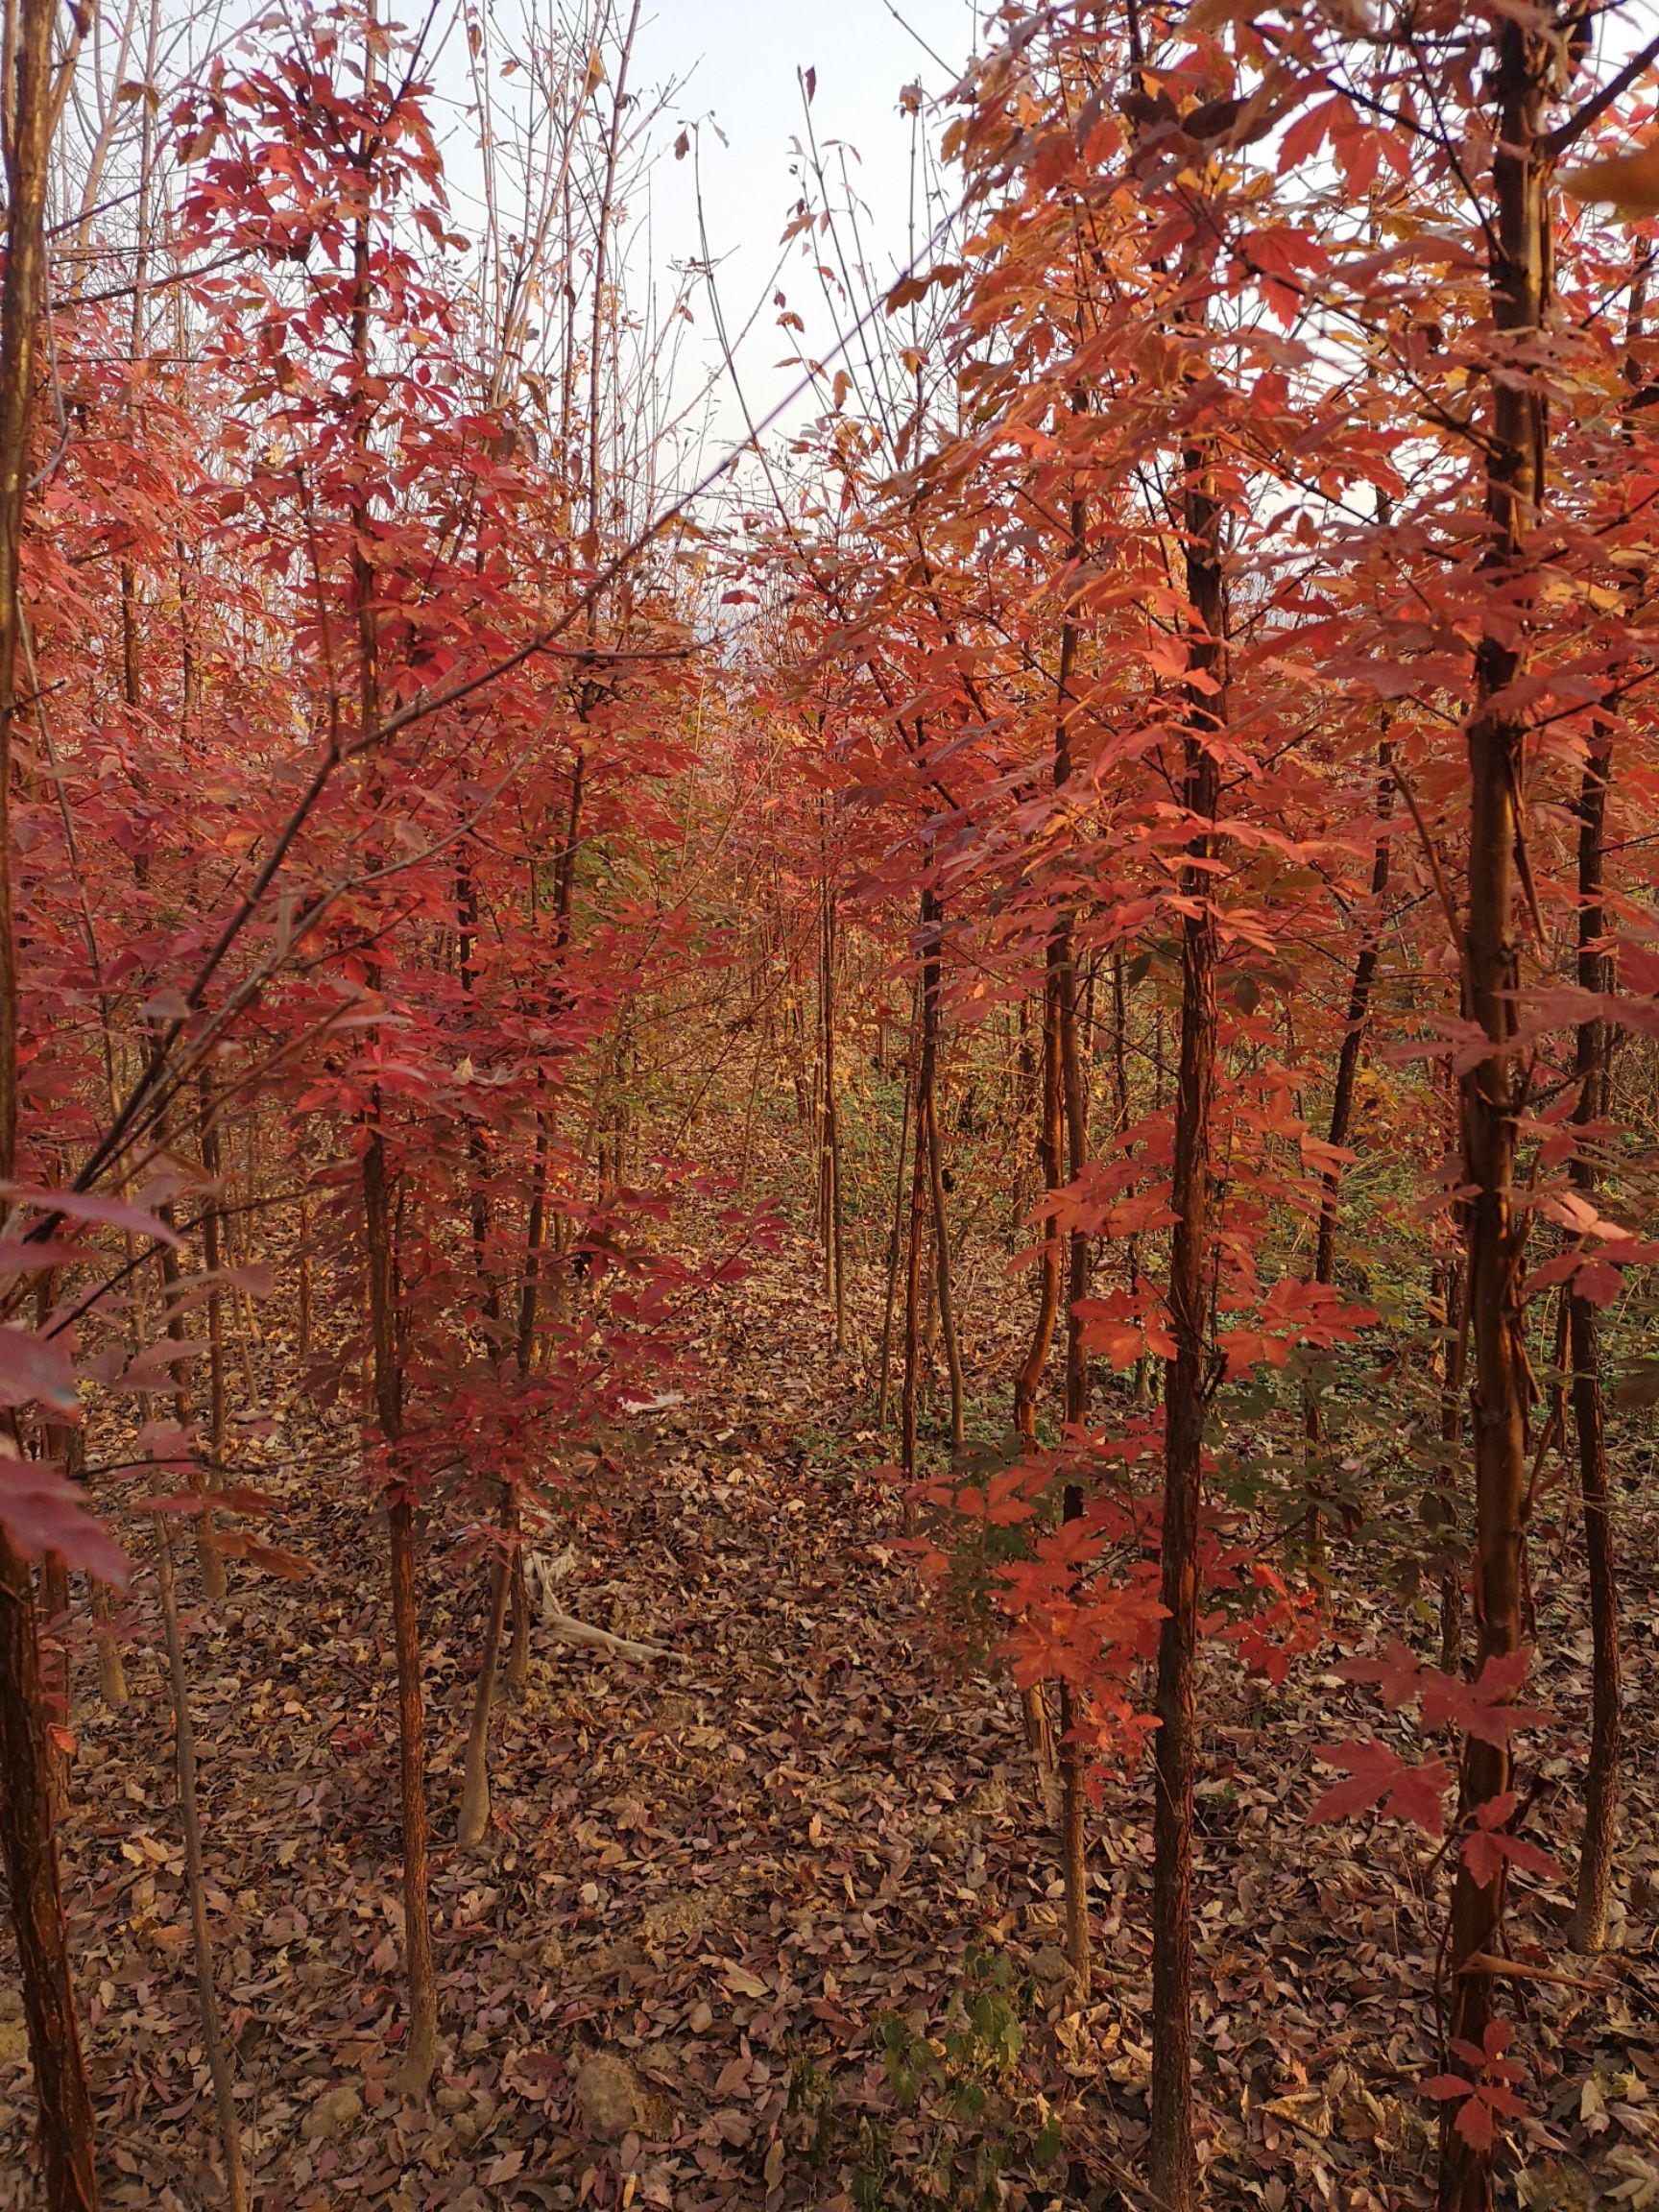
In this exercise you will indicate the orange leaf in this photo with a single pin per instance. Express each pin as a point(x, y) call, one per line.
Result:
point(1627, 180)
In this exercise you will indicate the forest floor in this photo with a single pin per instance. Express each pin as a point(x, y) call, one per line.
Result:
point(773, 1922)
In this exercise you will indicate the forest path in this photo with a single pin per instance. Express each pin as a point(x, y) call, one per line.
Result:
point(725, 1892)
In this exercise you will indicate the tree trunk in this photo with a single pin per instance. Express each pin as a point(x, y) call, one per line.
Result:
point(1170, 2159)
point(829, 1170)
point(213, 1260)
point(209, 1563)
point(26, 1807)
point(1587, 1930)
point(926, 1185)
point(930, 1144)
point(474, 1815)
point(1075, 1100)
point(27, 1831)
point(1343, 1113)
point(302, 1349)
point(895, 1245)
point(1028, 1380)
point(422, 2050)
point(111, 1671)
point(1518, 279)
point(1453, 1387)
point(196, 1883)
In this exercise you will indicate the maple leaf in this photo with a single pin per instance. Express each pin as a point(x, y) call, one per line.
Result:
point(1488, 1848)
point(1484, 1707)
point(1398, 1673)
point(1378, 1777)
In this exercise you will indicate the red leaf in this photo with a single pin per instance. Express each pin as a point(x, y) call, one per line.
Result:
point(34, 1370)
point(1474, 2123)
point(1446, 2086)
point(1598, 1284)
point(1381, 1779)
point(43, 1510)
point(18, 1255)
point(1484, 1707)
point(1488, 1848)
point(90, 1206)
point(1419, 1796)
point(1398, 1673)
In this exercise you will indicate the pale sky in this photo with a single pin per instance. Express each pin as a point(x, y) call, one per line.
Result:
point(735, 62)
point(726, 72)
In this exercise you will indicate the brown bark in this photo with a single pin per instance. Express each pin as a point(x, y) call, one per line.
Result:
point(474, 1818)
point(1340, 1123)
point(213, 1260)
point(1359, 1019)
point(895, 1244)
point(1171, 2165)
point(829, 1161)
point(421, 2048)
point(1039, 1734)
point(1587, 1931)
point(209, 1563)
point(1454, 1385)
point(27, 1831)
point(927, 1194)
point(1518, 237)
point(930, 1150)
point(22, 297)
point(477, 1147)
point(111, 1671)
point(1049, 1152)
point(196, 1885)
point(1074, 1104)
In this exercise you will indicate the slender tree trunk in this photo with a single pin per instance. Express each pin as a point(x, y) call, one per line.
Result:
point(53, 1613)
point(474, 1815)
point(196, 1885)
point(928, 1194)
point(112, 1671)
point(1342, 1093)
point(302, 1348)
point(422, 2050)
point(1170, 2159)
point(1587, 1930)
point(27, 1830)
point(213, 1260)
point(22, 298)
point(1454, 1389)
point(64, 2109)
point(1359, 1019)
point(209, 1563)
point(1074, 1102)
point(944, 1279)
point(1028, 1380)
point(1124, 1114)
point(834, 1246)
point(1519, 236)
point(930, 1153)
point(535, 1225)
point(896, 1240)
point(477, 1148)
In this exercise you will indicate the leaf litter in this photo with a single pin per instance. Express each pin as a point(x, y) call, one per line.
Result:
point(776, 1921)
